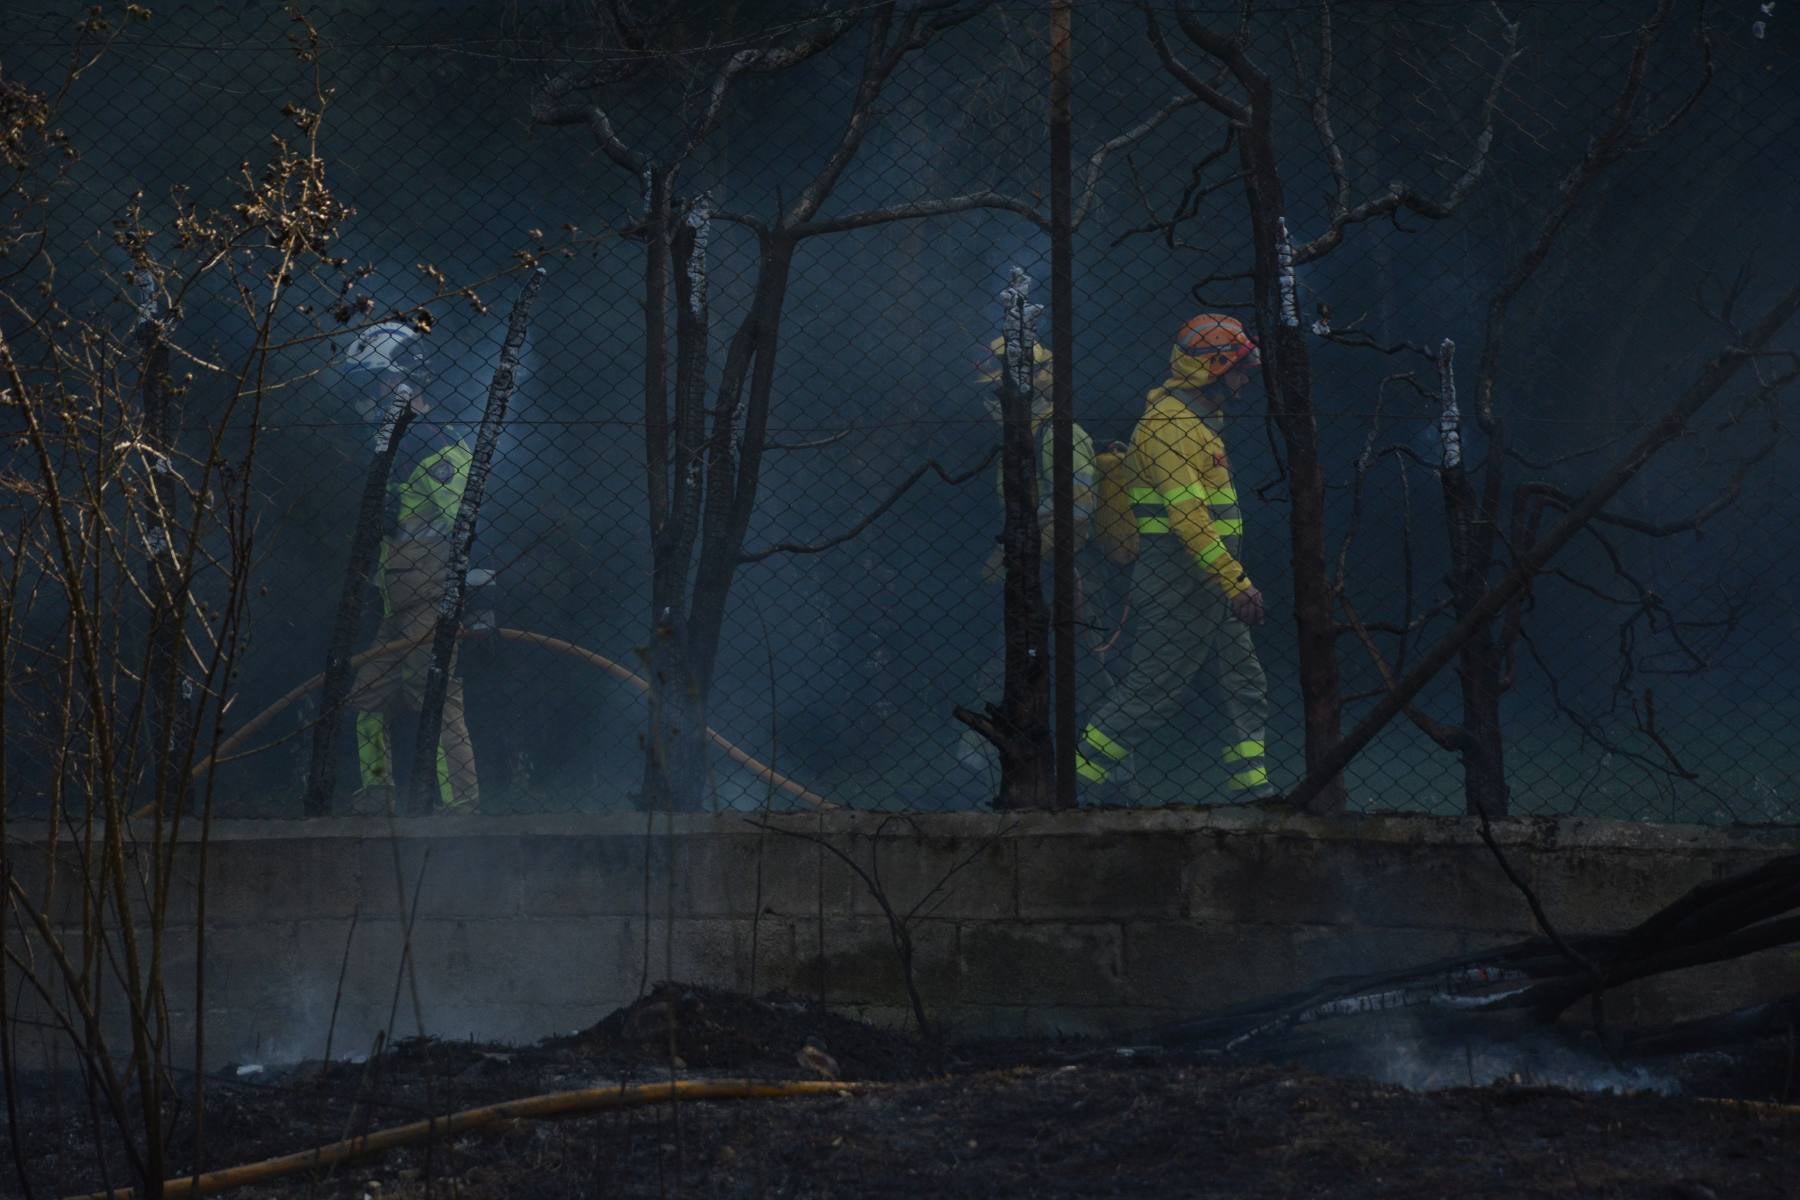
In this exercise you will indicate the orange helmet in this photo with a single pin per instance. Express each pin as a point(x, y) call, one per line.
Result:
point(1207, 347)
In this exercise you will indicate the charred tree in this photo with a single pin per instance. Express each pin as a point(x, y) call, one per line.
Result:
point(365, 547)
point(1019, 726)
point(1479, 675)
point(1752, 344)
point(703, 463)
point(1489, 611)
point(462, 540)
point(1062, 388)
point(673, 771)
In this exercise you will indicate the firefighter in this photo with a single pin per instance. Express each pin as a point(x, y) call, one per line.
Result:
point(428, 479)
point(1192, 600)
point(975, 752)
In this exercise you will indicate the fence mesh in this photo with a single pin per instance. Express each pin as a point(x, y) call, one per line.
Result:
point(774, 251)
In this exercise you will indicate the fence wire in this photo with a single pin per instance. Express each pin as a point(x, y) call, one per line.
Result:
point(747, 477)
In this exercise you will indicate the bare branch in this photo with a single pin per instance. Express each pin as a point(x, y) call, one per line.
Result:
point(1361, 469)
point(1320, 109)
point(879, 62)
point(913, 210)
point(989, 199)
point(549, 107)
point(1234, 111)
point(554, 102)
point(899, 924)
point(1447, 736)
point(1130, 137)
point(1546, 464)
point(761, 60)
point(1680, 112)
point(1537, 911)
point(755, 225)
point(1646, 719)
point(814, 444)
point(1188, 206)
point(1398, 196)
point(875, 515)
point(1591, 731)
point(1602, 150)
point(1714, 376)
point(1545, 493)
point(1363, 340)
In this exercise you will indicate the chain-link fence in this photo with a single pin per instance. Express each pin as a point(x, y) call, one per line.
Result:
point(743, 474)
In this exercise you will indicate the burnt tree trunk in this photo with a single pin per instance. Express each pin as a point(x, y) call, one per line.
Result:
point(1027, 774)
point(675, 758)
point(735, 451)
point(1481, 743)
point(462, 540)
point(703, 487)
point(1062, 421)
point(365, 544)
point(1287, 375)
point(1019, 726)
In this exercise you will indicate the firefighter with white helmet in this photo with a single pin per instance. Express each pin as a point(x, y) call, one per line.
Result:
point(1190, 595)
point(430, 474)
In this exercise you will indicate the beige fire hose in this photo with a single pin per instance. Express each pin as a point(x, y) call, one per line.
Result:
point(756, 767)
point(551, 1104)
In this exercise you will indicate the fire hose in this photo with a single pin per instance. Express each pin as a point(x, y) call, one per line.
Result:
point(756, 767)
point(551, 1104)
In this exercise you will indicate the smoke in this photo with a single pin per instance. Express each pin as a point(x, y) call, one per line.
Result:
point(1399, 1049)
point(427, 147)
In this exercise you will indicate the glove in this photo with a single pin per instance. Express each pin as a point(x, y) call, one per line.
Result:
point(1248, 607)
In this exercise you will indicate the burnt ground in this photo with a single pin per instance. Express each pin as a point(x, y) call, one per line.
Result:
point(982, 1119)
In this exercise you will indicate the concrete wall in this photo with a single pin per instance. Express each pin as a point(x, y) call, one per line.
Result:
point(1078, 922)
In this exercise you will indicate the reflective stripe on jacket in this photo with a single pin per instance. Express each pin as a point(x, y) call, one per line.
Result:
point(432, 491)
point(426, 500)
point(1184, 487)
point(1082, 474)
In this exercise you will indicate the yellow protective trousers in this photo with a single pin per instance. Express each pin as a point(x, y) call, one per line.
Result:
point(413, 582)
point(1184, 625)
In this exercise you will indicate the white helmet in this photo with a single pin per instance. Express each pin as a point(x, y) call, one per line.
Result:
point(384, 347)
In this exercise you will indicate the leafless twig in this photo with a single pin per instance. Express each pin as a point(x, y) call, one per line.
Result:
point(899, 923)
point(931, 467)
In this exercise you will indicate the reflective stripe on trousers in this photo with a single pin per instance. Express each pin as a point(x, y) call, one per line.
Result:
point(1097, 755)
point(375, 758)
point(412, 585)
point(1249, 772)
point(1184, 628)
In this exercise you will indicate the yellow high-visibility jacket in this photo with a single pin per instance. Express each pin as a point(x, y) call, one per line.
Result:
point(1083, 475)
point(1183, 487)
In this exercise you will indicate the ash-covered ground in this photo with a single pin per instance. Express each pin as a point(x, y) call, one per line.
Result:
point(1039, 1118)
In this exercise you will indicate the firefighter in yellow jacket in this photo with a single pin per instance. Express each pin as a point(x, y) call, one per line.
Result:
point(430, 475)
point(1191, 598)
